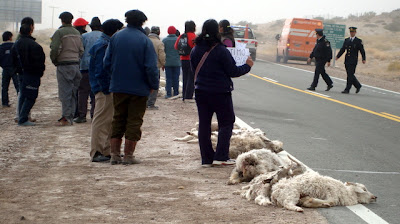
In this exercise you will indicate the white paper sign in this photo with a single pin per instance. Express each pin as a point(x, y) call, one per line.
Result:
point(240, 53)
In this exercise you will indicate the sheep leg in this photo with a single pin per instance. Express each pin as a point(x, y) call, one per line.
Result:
point(234, 178)
point(310, 202)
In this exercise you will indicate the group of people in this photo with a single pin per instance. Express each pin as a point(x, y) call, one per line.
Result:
point(120, 68)
point(322, 53)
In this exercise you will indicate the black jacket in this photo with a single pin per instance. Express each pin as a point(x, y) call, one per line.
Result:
point(352, 49)
point(31, 56)
point(322, 51)
point(5, 55)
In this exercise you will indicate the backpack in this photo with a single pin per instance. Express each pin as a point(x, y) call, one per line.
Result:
point(183, 45)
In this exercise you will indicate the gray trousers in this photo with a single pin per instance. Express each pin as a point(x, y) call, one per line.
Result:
point(153, 96)
point(68, 78)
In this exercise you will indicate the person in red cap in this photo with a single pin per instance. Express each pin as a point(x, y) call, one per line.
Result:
point(172, 63)
point(80, 25)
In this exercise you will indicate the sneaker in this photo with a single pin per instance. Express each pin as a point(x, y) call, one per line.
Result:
point(80, 120)
point(152, 107)
point(98, 157)
point(206, 165)
point(27, 123)
point(63, 122)
point(127, 160)
point(224, 163)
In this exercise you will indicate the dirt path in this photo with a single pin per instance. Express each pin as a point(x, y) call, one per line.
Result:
point(46, 176)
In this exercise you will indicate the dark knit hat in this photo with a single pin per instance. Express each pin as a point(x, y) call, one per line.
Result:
point(95, 22)
point(171, 30)
point(319, 32)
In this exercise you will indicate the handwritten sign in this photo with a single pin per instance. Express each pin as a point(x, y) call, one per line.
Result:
point(240, 53)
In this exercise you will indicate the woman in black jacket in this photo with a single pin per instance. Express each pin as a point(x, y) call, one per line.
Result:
point(213, 86)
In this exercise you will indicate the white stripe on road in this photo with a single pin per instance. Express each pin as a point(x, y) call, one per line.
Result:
point(366, 214)
point(360, 210)
point(272, 80)
point(359, 171)
point(316, 93)
point(373, 87)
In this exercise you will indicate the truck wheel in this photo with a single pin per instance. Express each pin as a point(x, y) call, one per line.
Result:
point(278, 59)
point(285, 59)
point(253, 56)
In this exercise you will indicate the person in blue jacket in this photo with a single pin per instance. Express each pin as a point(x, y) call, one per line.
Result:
point(213, 87)
point(132, 62)
point(100, 86)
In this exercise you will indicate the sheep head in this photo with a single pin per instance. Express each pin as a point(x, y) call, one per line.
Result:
point(363, 195)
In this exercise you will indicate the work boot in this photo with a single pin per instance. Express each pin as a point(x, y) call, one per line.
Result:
point(128, 151)
point(115, 151)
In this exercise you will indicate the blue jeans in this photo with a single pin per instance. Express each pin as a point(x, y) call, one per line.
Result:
point(8, 74)
point(172, 79)
point(207, 105)
point(28, 93)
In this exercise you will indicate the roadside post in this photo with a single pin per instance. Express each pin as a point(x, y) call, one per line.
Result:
point(335, 34)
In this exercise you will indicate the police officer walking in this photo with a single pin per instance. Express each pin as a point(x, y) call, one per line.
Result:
point(322, 53)
point(353, 45)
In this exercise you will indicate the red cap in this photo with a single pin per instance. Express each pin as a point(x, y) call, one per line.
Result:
point(80, 22)
point(171, 30)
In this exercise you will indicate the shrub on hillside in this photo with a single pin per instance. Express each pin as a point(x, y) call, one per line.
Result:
point(394, 25)
point(394, 66)
point(370, 25)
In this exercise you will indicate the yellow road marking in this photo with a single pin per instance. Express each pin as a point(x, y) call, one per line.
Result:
point(394, 116)
point(383, 114)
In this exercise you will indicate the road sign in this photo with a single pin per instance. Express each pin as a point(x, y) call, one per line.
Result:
point(335, 34)
point(16, 10)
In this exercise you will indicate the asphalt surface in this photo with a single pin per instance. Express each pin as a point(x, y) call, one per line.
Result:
point(350, 137)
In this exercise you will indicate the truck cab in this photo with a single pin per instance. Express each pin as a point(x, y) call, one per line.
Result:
point(297, 39)
point(244, 34)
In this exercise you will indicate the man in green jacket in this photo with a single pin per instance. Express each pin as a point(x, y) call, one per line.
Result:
point(66, 51)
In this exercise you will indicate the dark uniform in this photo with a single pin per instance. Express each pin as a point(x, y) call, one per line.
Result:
point(351, 59)
point(322, 53)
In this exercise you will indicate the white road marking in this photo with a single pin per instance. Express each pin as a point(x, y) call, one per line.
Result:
point(272, 80)
point(373, 87)
point(360, 210)
point(313, 92)
point(359, 171)
point(319, 138)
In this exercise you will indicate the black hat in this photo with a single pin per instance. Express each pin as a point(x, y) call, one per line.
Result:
point(95, 22)
point(155, 29)
point(66, 16)
point(353, 29)
point(135, 17)
point(319, 32)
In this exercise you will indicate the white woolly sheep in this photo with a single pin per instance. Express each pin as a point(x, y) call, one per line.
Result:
point(313, 190)
point(259, 189)
point(253, 163)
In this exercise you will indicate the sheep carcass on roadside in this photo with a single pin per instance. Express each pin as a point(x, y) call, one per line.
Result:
point(313, 190)
point(259, 189)
point(253, 163)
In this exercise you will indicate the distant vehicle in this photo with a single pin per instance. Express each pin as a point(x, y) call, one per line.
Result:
point(297, 39)
point(247, 37)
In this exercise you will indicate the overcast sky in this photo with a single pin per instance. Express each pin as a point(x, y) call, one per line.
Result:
point(164, 13)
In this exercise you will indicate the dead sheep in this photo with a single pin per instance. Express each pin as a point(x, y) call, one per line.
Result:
point(242, 140)
point(313, 190)
point(259, 189)
point(253, 163)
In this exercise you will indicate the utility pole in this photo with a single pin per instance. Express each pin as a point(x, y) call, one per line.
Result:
point(81, 12)
point(52, 17)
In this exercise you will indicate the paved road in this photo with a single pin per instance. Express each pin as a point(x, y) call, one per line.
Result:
point(354, 137)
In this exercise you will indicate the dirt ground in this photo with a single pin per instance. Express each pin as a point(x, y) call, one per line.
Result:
point(46, 175)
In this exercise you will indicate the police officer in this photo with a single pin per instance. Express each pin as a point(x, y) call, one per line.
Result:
point(353, 45)
point(322, 53)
